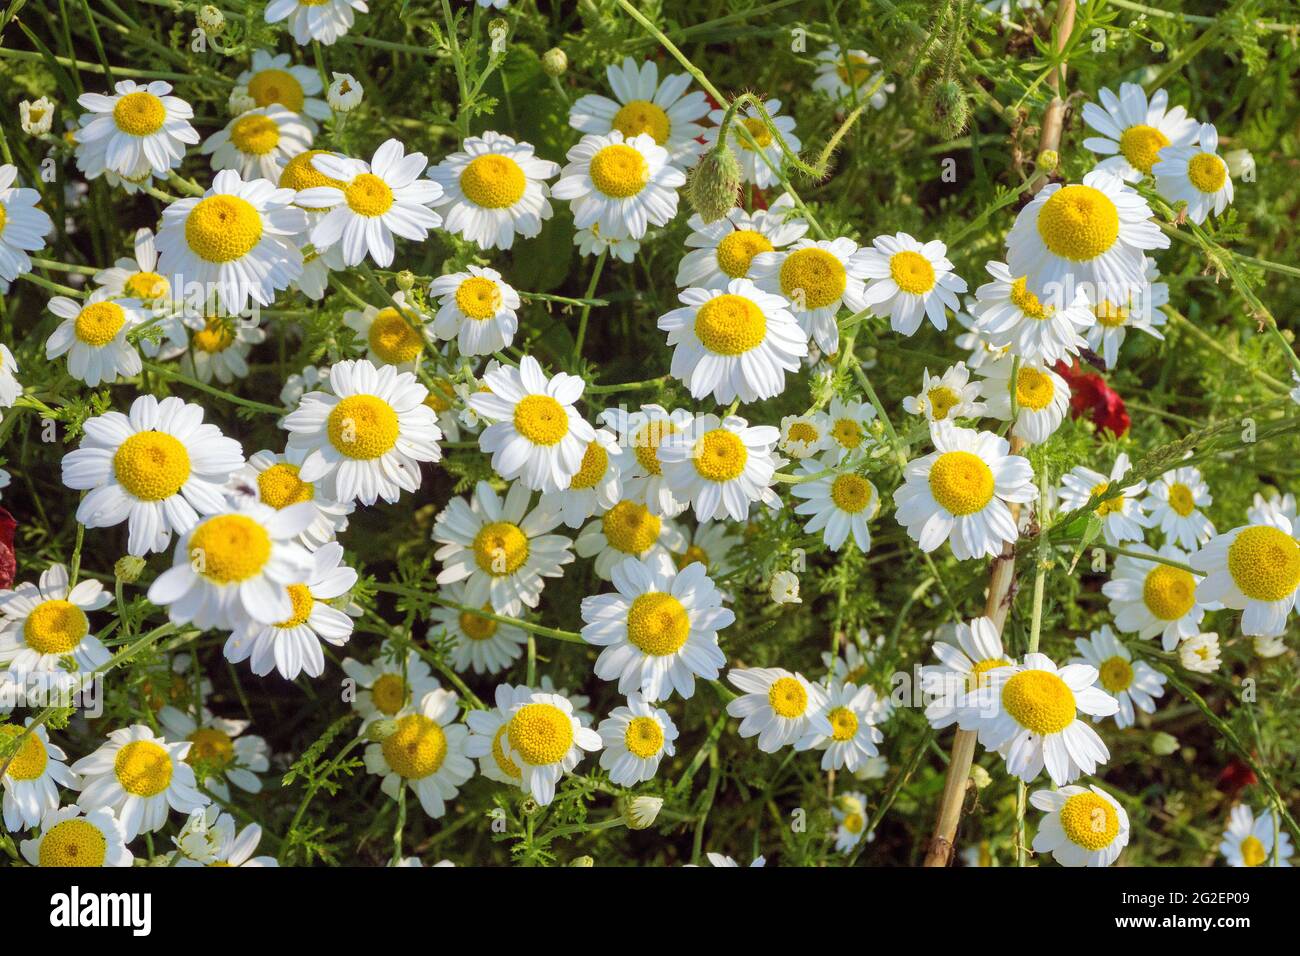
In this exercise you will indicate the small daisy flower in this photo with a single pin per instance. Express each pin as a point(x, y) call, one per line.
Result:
point(784, 588)
point(839, 504)
point(1084, 826)
point(136, 131)
point(1200, 653)
point(139, 777)
point(208, 838)
point(723, 250)
point(389, 684)
point(1173, 504)
point(93, 336)
point(1122, 517)
point(1133, 131)
point(543, 740)
point(315, 20)
point(1008, 315)
point(219, 347)
point(273, 479)
point(635, 739)
point(850, 430)
point(778, 707)
point(499, 549)
point(493, 190)
point(816, 276)
point(36, 117)
point(381, 199)
point(1268, 647)
point(910, 281)
point(394, 335)
point(272, 80)
point(45, 623)
point(1028, 713)
point(627, 530)
point(624, 185)
point(759, 152)
point(259, 142)
point(851, 712)
point(1135, 684)
point(1262, 506)
point(1248, 840)
point(722, 860)
point(855, 74)
point(711, 545)
point(220, 747)
point(366, 437)
point(1149, 598)
point(640, 435)
point(660, 630)
point(595, 489)
point(137, 277)
point(591, 243)
point(1140, 310)
point(33, 776)
point(71, 837)
point(1254, 569)
point(721, 466)
point(426, 751)
point(961, 493)
point(737, 343)
point(803, 436)
point(1042, 398)
point(479, 644)
point(663, 110)
point(537, 435)
point(477, 309)
point(966, 656)
point(23, 227)
point(487, 732)
point(1195, 174)
point(949, 396)
point(850, 816)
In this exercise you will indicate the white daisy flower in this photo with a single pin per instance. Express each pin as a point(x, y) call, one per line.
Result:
point(635, 739)
point(760, 161)
point(628, 529)
point(966, 656)
point(273, 80)
point(23, 227)
point(543, 739)
point(1150, 598)
point(778, 707)
point(1122, 517)
point(33, 776)
point(975, 341)
point(950, 396)
point(1135, 684)
point(477, 309)
point(591, 243)
point(71, 837)
point(910, 281)
point(1248, 840)
point(855, 74)
point(390, 683)
point(44, 624)
point(1132, 131)
point(219, 347)
point(1028, 713)
point(803, 436)
point(139, 777)
point(660, 631)
point(426, 751)
point(1275, 502)
point(1173, 504)
point(664, 110)
point(394, 335)
point(1200, 653)
point(961, 493)
point(851, 712)
point(93, 335)
point(499, 549)
point(1254, 569)
point(721, 466)
point(366, 437)
point(1195, 174)
point(1084, 826)
point(817, 276)
point(137, 278)
point(487, 731)
point(36, 117)
point(208, 838)
point(850, 430)
point(721, 859)
point(839, 504)
point(850, 815)
point(1008, 315)
point(273, 479)
point(136, 131)
point(259, 142)
point(1142, 309)
point(595, 489)
point(1268, 647)
point(158, 468)
point(220, 747)
point(709, 544)
point(479, 644)
point(737, 343)
point(640, 435)
point(1042, 397)
point(315, 20)
point(723, 250)
point(622, 184)
point(344, 93)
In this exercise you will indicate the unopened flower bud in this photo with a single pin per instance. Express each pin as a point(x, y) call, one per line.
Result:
point(1241, 164)
point(946, 102)
point(640, 812)
point(210, 19)
point(980, 777)
point(344, 94)
point(714, 183)
point(405, 280)
point(36, 116)
point(1048, 160)
point(380, 730)
point(555, 62)
point(1163, 744)
point(582, 861)
point(785, 588)
point(240, 101)
point(128, 569)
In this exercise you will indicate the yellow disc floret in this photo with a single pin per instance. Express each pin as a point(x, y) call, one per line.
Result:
point(143, 768)
point(658, 624)
point(619, 171)
point(277, 86)
point(493, 182)
point(1169, 592)
point(1027, 302)
point(363, 426)
point(1078, 223)
point(644, 737)
point(368, 196)
point(646, 441)
point(942, 399)
point(98, 323)
point(302, 600)
point(146, 286)
point(787, 697)
point(595, 462)
point(1039, 701)
point(55, 627)
point(1116, 674)
point(504, 763)
point(737, 249)
point(541, 419)
point(1034, 389)
point(730, 325)
point(1265, 563)
point(210, 746)
point(630, 527)
point(1252, 851)
point(223, 228)
point(151, 465)
point(416, 748)
point(229, 548)
point(642, 116)
point(1141, 145)
point(720, 456)
point(139, 114)
point(1181, 499)
point(475, 626)
point(479, 298)
point(393, 337)
point(979, 671)
point(1207, 172)
point(500, 548)
point(30, 760)
point(912, 272)
point(255, 135)
point(1089, 821)
point(75, 842)
point(812, 278)
point(388, 693)
point(758, 130)
point(852, 493)
point(961, 482)
point(279, 486)
point(844, 723)
point(299, 173)
point(540, 733)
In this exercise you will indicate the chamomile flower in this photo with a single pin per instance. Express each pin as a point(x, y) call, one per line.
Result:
point(627, 530)
point(500, 549)
point(962, 491)
point(380, 199)
point(1148, 597)
point(1093, 234)
point(219, 347)
point(910, 281)
point(219, 746)
point(366, 437)
point(949, 396)
point(635, 739)
point(537, 435)
point(966, 656)
point(723, 250)
point(1008, 315)
point(1195, 174)
point(644, 104)
point(394, 334)
point(1042, 397)
point(136, 131)
point(273, 479)
point(803, 436)
point(839, 504)
point(851, 712)
point(45, 623)
point(323, 21)
point(292, 644)
point(850, 815)
point(208, 838)
point(543, 740)
point(139, 777)
point(721, 466)
point(1173, 504)
point(1140, 309)
point(71, 836)
point(1273, 502)
point(778, 707)
point(640, 435)
point(852, 75)
point(1122, 517)
point(479, 644)
point(1200, 653)
point(1133, 131)
point(388, 684)
point(1135, 684)
point(622, 184)
point(816, 276)
point(1084, 826)
point(591, 243)
point(33, 776)
point(722, 860)
point(137, 277)
point(660, 630)
point(1248, 840)
point(273, 80)
point(158, 468)
point(1028, 713)
point(425, 751)
point(477, 309)
point(93, 337)
point(238, 239)
point(493, 190)
point(487, 732)
point(711, 545)
point(595, 489)
point(1254, 569)
point(849, 429)
point(757, 149)
point(36, 116)
point(259, 142)
point(736, 343)
point(23, 227)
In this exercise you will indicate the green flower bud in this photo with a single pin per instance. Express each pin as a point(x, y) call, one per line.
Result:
point(212, 20)
point(714, 183)
point(405, 280)
point(640, 812)
point(980, 777)
point(1163, 744)
point(128, 569)
point(1048, 160)
point(582, 861)
point(946, 102)
point(380, 730)
point(555, 62)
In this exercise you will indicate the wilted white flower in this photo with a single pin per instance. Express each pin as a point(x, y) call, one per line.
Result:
point(785, 588)
point(36, 116)
point(344, 94)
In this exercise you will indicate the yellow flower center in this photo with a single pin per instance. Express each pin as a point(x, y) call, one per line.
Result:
point(1027, 302)
point(504, 763)
point(98, 323)
point(479, 298)
point(694, 554)
point(757, 129)
point(222, 228)
point(477, 627)
point(143, 768)
point(630, 527)
point(416, 748)
point(855, 72)
point(595, 462)
point(730, 325)
point(1169, 592)
point(29, 763)
point(1265, 563)
point(787, 698)
point(645, 443)
point(854, 822)
point(1116, 674)
point(4, 217)
point(1140, 145)
point(230, 548)
point(720, 456)
point(658, 624)
point(737, 249)
point(393, 338)
point(440, 393)
point(1109, 314)
point(979, 671)
point(1111, 505)
point(279, 486)
point(619, 171)
point(55, 627)
point(276, 86)
point(1034, 389)
point(493, 182)
point(363, 427)
point(1207, 172)
point(1181, 499)
point(303, 602)
point(1253, 852)
point(1078, 223)
point(299, 173)
point(803, 432)
point(75, 842)
point(942, 399)
point(388, 693)
point(151, 465)
point(912, 272)
point(146, 286)
point(210, 746)
point(814, 276)
point(541, 419)
point(844, 723)
point(368, 195)
point(1039, 701)
point(852, 493)
point(642, 116)
point(1089, 821)
point(847, 433)
point(961, 482)
point(500, 548)
point(644, 737)
point(255, 135)
point(540, 733)
point(214, 337)
point(139, 114)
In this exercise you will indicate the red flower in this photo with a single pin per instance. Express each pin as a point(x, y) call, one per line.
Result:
point(1091, 396)
point(1235, 777)
point(8, 560)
